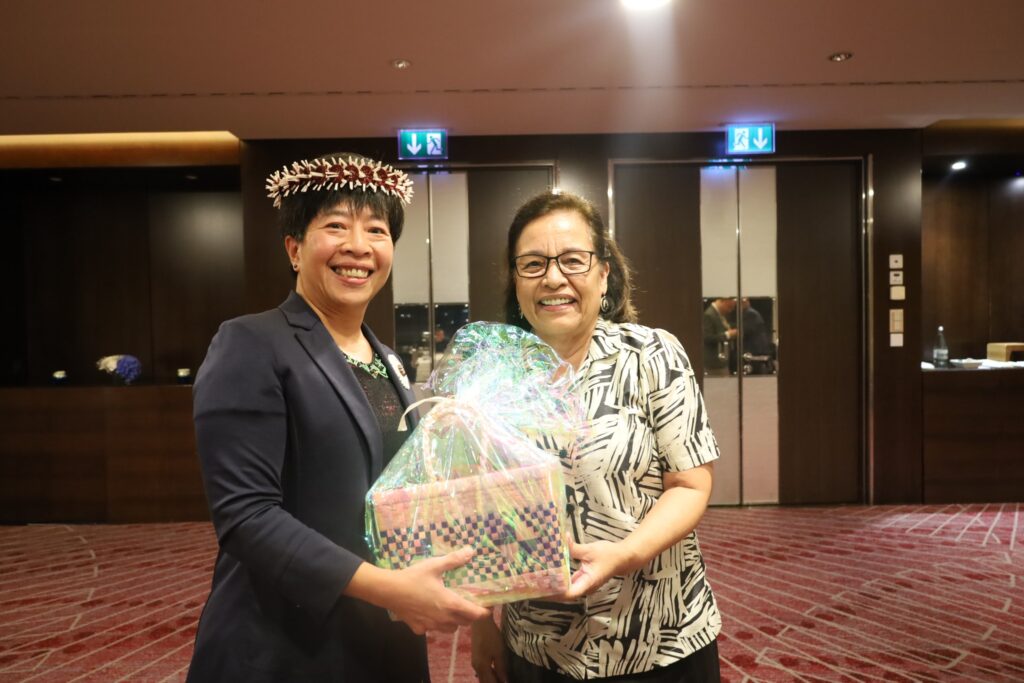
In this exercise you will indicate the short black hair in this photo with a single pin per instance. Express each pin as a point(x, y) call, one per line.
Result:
point(620, 275)
point(298, 210)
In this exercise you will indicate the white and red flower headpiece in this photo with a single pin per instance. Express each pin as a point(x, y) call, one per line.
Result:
point(335, 173)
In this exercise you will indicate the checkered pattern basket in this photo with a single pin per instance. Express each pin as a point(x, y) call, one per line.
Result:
point(512, 517)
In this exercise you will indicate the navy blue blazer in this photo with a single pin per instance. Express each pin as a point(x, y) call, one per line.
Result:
point(289, 446)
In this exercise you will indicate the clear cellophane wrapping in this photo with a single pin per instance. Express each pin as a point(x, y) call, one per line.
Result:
point(472, 472)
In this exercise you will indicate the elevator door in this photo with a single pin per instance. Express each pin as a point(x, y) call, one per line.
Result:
point(448, 266)
point(757, 269)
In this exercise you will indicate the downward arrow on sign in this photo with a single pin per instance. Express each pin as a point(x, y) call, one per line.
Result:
point(760, 141)
point(414, 147)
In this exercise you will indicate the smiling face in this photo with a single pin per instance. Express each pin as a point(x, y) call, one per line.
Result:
point(343, 260)
point(562, 309)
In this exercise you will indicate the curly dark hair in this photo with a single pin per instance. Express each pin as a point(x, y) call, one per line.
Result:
point(620, 276)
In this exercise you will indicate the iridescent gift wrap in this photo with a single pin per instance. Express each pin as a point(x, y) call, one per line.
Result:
point(473, 472)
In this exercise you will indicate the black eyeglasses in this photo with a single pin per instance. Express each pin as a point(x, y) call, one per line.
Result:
point(569, 262)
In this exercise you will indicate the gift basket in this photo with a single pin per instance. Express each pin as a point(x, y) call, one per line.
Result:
point(472, 472)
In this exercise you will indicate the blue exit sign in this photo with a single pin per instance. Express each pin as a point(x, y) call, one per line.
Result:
point(750, 138)
point(423, 143)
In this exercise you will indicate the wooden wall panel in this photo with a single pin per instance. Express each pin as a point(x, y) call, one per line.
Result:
point(88, 282)
point(99, 454)
point(820, 350)
point(14, 342)
point(955, 265)
point(894, 435)
point(152, 465)
point(657, 225)
point(973, 436)
point(494, 197)
point(1006, 260)
point(197, 256)
point(52, 464)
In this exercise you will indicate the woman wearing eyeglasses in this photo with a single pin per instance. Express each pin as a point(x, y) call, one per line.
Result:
point(639, 607)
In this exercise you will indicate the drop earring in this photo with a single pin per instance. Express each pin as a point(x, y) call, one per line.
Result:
point(605, 304)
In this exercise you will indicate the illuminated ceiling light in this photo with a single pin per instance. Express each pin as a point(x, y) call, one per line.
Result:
point(959, 165)
point(401, 64)
point(840, 56)
point(93, 150)
point(644, 4)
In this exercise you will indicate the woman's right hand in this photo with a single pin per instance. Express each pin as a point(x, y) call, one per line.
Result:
point(489, 652)
point(417, 594)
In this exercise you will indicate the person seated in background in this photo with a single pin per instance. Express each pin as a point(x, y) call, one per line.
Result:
point(758, 349)
point(719, 334)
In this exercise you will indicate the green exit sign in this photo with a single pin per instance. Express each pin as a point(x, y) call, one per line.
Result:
point(428, 143)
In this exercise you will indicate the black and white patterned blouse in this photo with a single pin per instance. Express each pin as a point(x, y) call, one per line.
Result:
point(646, 418)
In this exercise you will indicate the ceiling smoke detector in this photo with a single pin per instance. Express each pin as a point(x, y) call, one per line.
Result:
point(401, 64)
point(840, 56)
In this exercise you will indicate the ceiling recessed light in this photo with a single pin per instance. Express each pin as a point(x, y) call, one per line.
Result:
point(644, 4)
point(959, 165)
point(401, 64)
point(840, 56)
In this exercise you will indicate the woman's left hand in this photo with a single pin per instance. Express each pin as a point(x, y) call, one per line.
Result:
point(599, 562)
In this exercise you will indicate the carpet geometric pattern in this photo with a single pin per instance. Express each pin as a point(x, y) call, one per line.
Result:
point(851, 593)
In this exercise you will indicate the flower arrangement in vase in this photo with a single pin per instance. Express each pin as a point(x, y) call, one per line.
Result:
point(126, 368)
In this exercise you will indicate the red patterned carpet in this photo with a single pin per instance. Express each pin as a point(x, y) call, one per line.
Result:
point(929, 593)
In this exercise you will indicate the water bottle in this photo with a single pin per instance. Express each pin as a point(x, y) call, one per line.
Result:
point(940, 352)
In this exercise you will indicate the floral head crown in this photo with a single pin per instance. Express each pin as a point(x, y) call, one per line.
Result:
point(335, 173)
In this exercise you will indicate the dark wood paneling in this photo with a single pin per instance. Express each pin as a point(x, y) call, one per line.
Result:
point(494, 197)
point(98, 454)
point(895, 434)
point(973, 436)
point(973, 138)
point(196, 252)
point(52, 462)
point(152, 466)
point(14, 342)
point(955, 265)
point(820, 333)
point(88, 282)
point(657, 225)
point(1006, 260)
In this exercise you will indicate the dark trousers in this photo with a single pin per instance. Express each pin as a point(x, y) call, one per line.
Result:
point(700, 667)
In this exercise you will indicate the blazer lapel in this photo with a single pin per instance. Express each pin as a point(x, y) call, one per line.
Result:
point(320, 346)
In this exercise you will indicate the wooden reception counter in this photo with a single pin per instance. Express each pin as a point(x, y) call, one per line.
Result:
point(973, 435)
point(99, 454)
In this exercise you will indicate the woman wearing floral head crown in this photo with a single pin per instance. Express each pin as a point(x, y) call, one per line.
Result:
point(639, 607)
point(295, 412)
